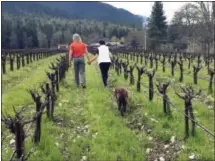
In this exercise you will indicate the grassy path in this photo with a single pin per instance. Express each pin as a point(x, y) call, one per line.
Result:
point(101, 134)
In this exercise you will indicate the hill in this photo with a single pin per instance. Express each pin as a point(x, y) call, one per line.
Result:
point(75, 10)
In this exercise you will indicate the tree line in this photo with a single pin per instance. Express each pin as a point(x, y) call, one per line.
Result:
point(20, 32)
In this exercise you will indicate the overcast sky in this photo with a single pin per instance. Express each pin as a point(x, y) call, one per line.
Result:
point(144, 8)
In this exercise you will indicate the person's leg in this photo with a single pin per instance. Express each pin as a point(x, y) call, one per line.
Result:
point(76, 71)
point(102, 68)
point(107, 67)
point(82, 72)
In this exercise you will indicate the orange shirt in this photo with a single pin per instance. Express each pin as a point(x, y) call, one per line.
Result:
point(78, 49)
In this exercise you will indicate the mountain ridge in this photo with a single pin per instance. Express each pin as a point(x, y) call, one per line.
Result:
point(77, 10)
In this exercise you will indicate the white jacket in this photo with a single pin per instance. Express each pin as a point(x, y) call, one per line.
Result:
point(104, 54)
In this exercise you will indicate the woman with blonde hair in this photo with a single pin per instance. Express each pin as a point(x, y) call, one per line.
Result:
point(77, 50)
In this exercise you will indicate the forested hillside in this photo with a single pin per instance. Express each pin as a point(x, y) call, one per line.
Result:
point(33, 25)
point(75, 10)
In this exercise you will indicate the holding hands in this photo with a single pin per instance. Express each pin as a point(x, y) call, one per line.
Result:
point(89, 62)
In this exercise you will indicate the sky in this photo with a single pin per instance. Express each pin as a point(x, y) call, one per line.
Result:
point(144, 8)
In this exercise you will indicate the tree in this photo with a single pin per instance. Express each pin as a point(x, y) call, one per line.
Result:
point(157, 25)
point(42, 40)
point(193, 22)
point(6, 33)
point(47, 29)
point(214, 24)
point(20, 34)
point(13, 40)
point(135, 36)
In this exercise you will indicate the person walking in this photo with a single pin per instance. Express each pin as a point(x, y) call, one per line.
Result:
point(104, 60)
point(77, 50)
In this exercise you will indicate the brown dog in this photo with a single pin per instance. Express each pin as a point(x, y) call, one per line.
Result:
point(121, 96)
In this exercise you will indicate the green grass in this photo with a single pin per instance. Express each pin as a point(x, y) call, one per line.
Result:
point(202, 144)
point(77, 108)
point(89, 124)
point(16, 84)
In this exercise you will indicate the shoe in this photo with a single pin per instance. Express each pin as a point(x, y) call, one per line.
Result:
point(84, 87)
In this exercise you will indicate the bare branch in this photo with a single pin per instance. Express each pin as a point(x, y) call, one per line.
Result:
point(182, 97)
point(11, 158)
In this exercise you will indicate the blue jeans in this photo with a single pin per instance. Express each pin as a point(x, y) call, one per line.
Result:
point(79, 68)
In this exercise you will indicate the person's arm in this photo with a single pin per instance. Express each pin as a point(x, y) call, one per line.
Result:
point(95, 57)
point(70, 55)
point(110, 54)
point(87, 54)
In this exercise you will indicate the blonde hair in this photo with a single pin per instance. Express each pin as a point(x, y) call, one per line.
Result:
point(77, 38)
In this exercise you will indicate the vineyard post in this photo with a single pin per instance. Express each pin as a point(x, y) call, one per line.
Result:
point(19, 138)
point(211, 73)
point(57, 79)
point(131, 69)
point(180, 63)
point(28, 59)
point(18, 61)
point(53, 95)
point(140, 72)
point(156, 62)
point(37, 54)
point(30, 55)
point(120, 66)
point(151, 60)
point(16, 127)
point(150, 75)
point(162, 89)
point(11, 62)
point(34, 56)
point(37, 99)
point(141, 59)
point(117, 66)
point(146, 59)
point(163, 61)
point(3, 61)
point(196, 69)
point(23, 60)
point(189, 61)
point(187, 96)
point(169, 57)
point(125, 70)
point(173, 63)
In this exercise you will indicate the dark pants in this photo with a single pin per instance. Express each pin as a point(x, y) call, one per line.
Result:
point(104, 67)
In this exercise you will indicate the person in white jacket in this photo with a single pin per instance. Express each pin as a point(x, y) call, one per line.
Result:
point(104, 60)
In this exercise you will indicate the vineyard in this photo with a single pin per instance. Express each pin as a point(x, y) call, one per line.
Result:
point(169, 117)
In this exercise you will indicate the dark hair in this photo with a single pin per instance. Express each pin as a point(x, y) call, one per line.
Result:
point(102, 42)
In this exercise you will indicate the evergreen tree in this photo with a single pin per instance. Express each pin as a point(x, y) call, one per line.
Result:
point(157, 26)
point(32, 34)
point(6, 33)
point(48, 31)
point(13, 40)
point(20, 36)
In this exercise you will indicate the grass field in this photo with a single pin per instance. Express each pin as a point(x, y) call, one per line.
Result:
point(89, 126)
